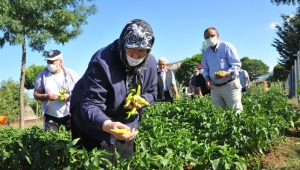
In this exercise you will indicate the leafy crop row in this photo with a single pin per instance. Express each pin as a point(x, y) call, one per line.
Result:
point(188, 134)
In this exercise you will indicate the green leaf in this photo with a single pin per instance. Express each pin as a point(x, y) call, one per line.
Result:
point(216, 163)
point(239, 165)
point(28, 159)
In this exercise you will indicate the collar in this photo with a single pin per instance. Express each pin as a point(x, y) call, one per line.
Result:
point(159, 70)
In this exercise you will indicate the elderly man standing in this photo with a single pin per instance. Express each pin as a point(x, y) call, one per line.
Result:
point(166, 84)
point(221, 71)
point(53, 87)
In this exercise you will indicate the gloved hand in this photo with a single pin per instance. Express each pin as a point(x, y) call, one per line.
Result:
point(177, 97)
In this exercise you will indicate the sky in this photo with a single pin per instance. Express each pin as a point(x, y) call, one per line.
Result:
point(178, 27)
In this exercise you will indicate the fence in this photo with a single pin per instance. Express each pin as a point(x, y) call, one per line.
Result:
point(293, 79)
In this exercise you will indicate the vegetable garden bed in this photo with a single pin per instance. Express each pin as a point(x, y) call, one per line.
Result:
point(189, 134)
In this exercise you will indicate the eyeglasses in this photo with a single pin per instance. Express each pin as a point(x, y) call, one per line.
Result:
point(130, 52)
point(211, 36)
point(162, 64)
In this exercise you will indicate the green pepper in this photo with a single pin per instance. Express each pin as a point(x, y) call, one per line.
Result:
point(140, 100)
point(132, 112)
point(129, 97)
point(62, 92)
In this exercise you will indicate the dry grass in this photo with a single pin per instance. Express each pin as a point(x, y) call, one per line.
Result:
point(38, 123)
point(294, 103)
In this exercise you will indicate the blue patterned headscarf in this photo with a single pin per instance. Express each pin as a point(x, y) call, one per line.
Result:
point(136, 34)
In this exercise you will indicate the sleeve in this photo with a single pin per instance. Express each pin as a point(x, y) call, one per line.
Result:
point(246, 74)
point(173, 79)
point(233, 59)
point(150, 93)
point(205, 65)
point(39, 85)
point(75, 77)
point(95, 94)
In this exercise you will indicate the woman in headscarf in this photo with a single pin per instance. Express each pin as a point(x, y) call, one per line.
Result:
point(98, 99)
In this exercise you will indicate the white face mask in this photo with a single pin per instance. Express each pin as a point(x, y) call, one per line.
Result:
point(134, 62)
point(212, 41)
point(52, 68)
point(201, 71)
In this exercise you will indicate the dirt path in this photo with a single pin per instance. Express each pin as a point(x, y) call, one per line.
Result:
point(284, 156)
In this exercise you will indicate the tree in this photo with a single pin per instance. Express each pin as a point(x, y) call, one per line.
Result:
point(185, 71)
point(288, 42)
point(31, 74)
point(288, 2)
point(9, 99)
point(38, 22)
point(204, 46)
point(254, 67)
point(280, 73)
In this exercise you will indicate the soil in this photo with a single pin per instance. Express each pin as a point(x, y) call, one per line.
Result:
point(281, 156)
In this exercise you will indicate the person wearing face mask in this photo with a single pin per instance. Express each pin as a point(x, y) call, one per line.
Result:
point(166, 84)
point(98, 101)
point(200, 83)
point(221, 65)
point(53, 87)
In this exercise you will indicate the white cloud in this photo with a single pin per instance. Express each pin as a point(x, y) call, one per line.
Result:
point(273, 25)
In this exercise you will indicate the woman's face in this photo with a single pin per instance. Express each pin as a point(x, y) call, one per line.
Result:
point(136, 53)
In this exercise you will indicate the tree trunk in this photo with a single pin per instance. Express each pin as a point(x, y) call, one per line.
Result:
point(22, 80)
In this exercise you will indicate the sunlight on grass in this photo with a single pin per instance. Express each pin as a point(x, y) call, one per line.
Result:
point(27, 125)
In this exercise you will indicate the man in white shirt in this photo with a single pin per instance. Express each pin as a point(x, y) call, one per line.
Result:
point(53, 87)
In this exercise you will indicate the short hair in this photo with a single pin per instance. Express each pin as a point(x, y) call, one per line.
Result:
point(162, 59)
point(211, 28)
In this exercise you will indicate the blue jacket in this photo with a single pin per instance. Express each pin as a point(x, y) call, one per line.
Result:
point(100, 94)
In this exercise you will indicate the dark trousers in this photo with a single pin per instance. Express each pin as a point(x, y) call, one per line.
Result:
point(168, 97)
point(53, 123)
point(244, 90)
point(125, 149)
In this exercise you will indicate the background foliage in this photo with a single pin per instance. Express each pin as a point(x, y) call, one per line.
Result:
point(254, 67)
point(287, 44)
point(9, 99)
point(280, 73)
point(31, 74)
point(185, 71)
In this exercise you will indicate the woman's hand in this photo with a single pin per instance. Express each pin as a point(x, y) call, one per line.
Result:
point(109, 125)
point(133, 103)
